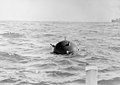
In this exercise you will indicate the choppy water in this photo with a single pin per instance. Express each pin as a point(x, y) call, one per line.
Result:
point(26, 58)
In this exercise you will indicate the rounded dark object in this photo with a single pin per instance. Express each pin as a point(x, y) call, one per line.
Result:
point(64, 47)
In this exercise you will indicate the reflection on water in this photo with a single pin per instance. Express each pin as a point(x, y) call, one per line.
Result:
point(26, 58)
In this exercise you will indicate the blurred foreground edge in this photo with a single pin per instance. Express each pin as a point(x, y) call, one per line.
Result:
point(91, 75)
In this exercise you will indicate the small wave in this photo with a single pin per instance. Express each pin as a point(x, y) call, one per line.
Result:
point(70, 82)
point(48, 35)
point(28, 83)
point(73, 68)
point(45, 66)
point(12, 35)
point(41, 83)
point(9, 80)
point(63, 62)
point(79, 81)
point(116, 49)
point(23, 83)
point(114, 81)
point(59, 74)
point(12, 57)
point(109, 69)
point(96, 58)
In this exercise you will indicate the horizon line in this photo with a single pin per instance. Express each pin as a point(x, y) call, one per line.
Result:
point(47, 21)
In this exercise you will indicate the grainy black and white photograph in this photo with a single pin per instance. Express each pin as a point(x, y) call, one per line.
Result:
point(59, 42)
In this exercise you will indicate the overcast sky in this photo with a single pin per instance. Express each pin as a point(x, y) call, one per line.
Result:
point(60, 10)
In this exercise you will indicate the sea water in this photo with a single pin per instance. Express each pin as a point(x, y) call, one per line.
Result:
point(26, 56)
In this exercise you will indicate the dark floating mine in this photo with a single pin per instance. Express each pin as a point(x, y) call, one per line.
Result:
point(64, 47)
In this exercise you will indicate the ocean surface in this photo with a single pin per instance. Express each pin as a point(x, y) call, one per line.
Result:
point(26, 56)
